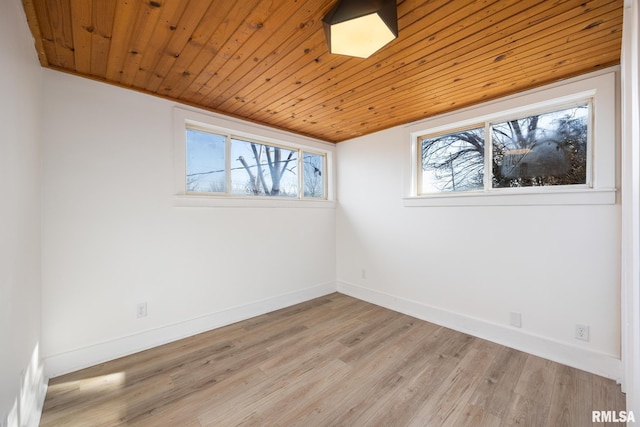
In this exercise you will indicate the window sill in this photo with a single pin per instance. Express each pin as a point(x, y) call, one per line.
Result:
point(522, 198)
point(248, 202)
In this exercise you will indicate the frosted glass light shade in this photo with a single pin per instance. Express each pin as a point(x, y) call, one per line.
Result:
point(360, 28)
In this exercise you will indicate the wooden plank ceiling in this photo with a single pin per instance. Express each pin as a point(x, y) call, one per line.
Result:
point(267, 61)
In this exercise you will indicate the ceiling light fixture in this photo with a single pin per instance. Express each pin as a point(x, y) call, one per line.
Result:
point(360, 27)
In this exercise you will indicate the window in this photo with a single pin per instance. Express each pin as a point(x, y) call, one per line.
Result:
point(255, 169)
point(206, 171)
point(263, 170)
point(536, 150)
point(554, 145)
point(542, 149)
point(314, 173)
point(453, 162)
point(218, 164)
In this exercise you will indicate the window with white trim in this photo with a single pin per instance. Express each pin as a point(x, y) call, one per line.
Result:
point(222, 166)
point(533, 150)
point(553, 145)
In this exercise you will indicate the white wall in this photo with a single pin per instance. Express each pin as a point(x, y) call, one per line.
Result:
point(20, 90)
point(468, 267)
point(113, 238)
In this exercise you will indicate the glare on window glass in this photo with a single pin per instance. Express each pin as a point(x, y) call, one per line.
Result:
point(205, 162)
point(542, 149)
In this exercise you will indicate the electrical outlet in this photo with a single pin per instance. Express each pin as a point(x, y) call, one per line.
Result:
point(515, 319)
point(582, 332)
point(141, 309)
point(363, 273)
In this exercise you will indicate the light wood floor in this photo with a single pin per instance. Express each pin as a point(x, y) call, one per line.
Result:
point(333, 361)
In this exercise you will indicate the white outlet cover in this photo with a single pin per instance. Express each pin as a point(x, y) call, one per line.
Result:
point(141, 310)
point(582, 332)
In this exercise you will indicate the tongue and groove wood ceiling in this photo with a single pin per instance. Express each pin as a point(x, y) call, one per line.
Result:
point(267, 61)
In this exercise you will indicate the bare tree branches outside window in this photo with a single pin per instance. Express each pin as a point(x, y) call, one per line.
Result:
point(270, 171)
point(538, 150)
point(453, 162)
point(313, 173)
point(250, 168)
point(546, 149)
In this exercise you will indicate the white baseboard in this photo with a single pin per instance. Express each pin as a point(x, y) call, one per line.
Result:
point(84, 357)
point(580, 358)
point(34, 421)
point(597, 363)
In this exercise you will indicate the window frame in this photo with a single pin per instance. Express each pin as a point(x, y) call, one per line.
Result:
point(325, 169)
point(227, 147)
point(236, 129)
point(418, 166)
point(554, 107)
point(598, 88)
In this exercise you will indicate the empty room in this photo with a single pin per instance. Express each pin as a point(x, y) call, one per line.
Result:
point(319, 213)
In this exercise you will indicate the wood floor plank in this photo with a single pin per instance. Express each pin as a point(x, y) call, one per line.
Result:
point(477, 416)
point(572, 397)
point(188, 408)
point(346, 401)
point(606, 397)
point(496, 388)
point(332, 361)
point(426, 368)
point(257, 406)
point(450, 397)
point(104, 407)
point(205, 380)
point(391, 329)
point(524, 411)
point(537, 379)
point(337, 403)
point(276, 408)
